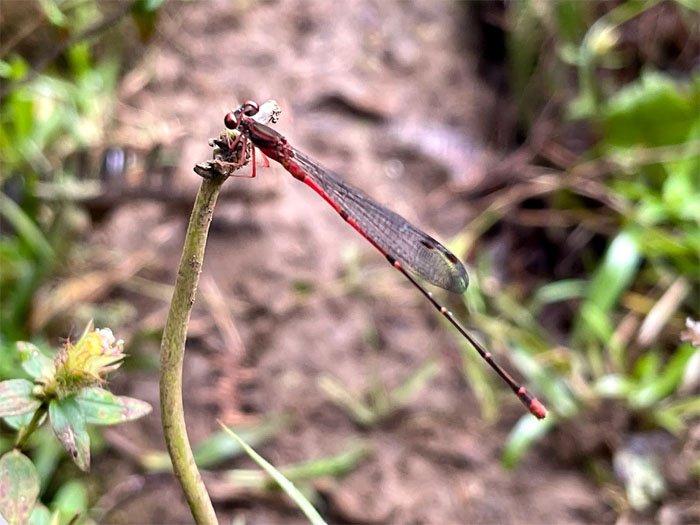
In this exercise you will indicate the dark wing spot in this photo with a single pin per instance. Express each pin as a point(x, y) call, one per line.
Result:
point(450, 257)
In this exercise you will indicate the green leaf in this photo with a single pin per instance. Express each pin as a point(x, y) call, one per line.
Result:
point(146, 6)
point(613, 386)
point(478, 378)
point(666, 383)
point(693, 5)
point(70, 500)
point(47, 452)
point(16, 397)
point(611, 278)
point(673, 417)
point(18, 67)
point(34, 362)
point(553, 387)
point(615, 273)
point(286, 485)
point(26, 228)
point(40, 515)
point(18, 422)
point(68, 423)
point(647, 367)
point(656, 110)
point(78, 56)
point(571, 17)
point(22, 117)
point(557, 291)
point(53, 12)
point(524, 434)
point(5, 69)
point(681, 189)
point(145, 13)
point(101, 407)
point(19, 487)
point(597, 322)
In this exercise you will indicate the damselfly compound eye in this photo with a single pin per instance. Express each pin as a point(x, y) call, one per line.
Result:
point(230, 120)
point(250, 108)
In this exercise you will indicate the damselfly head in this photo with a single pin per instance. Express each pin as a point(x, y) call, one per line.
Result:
point(233, 118)
point(249, 108)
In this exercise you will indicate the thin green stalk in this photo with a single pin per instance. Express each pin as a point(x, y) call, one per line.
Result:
point(28, 430)
point(172, 352)
point(596, 42)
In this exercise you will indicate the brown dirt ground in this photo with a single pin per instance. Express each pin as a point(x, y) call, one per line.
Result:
point(344, 74)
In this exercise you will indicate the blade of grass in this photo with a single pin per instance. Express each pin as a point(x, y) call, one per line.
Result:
point(217, 447)
point(526, 431)
point(212, 450)
point(673, 416)
point(479, 382)
point(359, 411)
point(557, 291)
point(335, 465)
point(611, 278)
point(286, 485)
point(665, 383)
point(555, 391)
point(25, 228)
point(414, 382)
point(327, 466)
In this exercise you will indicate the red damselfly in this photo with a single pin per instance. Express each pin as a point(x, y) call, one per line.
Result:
point(408, 249)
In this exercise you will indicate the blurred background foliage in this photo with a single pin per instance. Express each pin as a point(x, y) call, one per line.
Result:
point(607, 95)
point(58, 77)
point(599, 333)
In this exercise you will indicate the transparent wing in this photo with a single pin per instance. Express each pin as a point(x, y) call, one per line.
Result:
point(417, 251)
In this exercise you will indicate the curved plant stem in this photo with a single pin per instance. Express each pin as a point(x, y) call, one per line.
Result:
point(28, 430)
point(172, 352)
point(590, 47)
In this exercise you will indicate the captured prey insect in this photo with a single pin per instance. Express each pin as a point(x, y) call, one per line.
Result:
point(408, 249)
